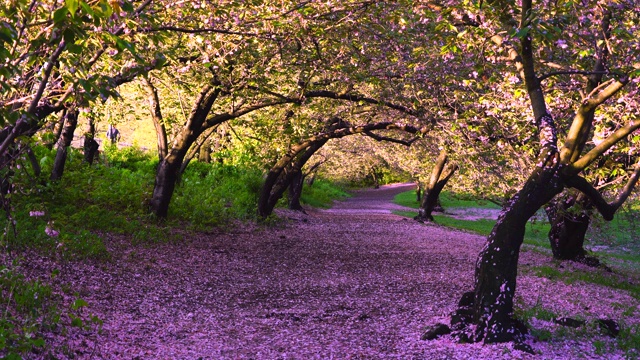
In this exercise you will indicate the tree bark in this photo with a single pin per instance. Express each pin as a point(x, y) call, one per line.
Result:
point(90, 144)
point(37, 170)
point(281, 175)
point(497, 265)
point(166, 178)
point(295, 190)
point(491, 307)
point(195, 148)
point(440, 175)
point(156, 116)
point(70, 124)
point(57, 129)
point(568, 229)
point(204, 155)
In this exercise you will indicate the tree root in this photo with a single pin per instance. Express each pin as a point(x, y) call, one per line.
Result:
point(465, 329)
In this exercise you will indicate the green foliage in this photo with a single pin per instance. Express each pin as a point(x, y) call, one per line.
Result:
point(322, 193)
point(214, 194)
point(618, 234)
point(131, 157)
point(30, 308)
point(65, 216)
point(27, 309)
point(628, 340)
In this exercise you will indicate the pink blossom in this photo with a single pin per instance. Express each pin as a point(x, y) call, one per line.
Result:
point(51, 232)
point(36, 213)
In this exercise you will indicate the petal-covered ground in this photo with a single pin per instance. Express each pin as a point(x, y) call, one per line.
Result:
point(352, 282)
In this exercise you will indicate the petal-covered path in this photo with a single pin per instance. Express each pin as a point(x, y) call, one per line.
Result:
point(352, 282)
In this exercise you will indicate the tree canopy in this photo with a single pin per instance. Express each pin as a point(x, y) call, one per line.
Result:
point(536, 102)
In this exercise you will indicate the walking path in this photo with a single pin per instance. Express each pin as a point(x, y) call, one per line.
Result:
point(352, 282)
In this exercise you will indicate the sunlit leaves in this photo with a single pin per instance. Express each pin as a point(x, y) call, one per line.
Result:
point(72, 6)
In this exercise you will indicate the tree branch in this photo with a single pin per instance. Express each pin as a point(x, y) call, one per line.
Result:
point(594, 195)
point(591, 156)
point(360, 98)
point(607, 210)
point(582, 123)
point(390, 139)
point(627, 189)
point(570, 72)
point(603, 92)
point(200, 31)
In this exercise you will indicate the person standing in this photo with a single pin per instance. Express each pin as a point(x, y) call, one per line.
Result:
point(113, 134)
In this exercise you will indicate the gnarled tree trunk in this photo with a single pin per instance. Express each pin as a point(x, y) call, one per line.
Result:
point(497, 264)
point(491, 309)
point(169, 168)
point(440, 175)
point(281, 175)
point(568, 228)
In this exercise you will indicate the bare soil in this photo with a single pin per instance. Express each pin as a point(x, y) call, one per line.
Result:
point(351, 282)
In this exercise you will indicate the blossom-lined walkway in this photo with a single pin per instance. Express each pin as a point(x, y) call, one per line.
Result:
point(352, 282)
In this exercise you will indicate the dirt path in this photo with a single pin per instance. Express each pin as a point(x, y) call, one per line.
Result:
point(352, 282)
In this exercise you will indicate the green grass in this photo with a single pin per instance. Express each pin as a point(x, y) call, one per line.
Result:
point(447, 199)
point(594, 276)
point(536, 233)
point(322, 193)
point(619, 234)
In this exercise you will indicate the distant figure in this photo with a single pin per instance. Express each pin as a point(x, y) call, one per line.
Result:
point(113, 134)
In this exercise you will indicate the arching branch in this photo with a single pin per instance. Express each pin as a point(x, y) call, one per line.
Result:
point(570, 72)
point(607, 210)
point(390, 139)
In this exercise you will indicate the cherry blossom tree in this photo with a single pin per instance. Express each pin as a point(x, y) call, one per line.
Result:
point(531, 37)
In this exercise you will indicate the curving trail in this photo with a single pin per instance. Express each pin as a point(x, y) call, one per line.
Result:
point(353, 282)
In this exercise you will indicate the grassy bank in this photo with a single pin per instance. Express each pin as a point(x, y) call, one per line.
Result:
point(70, 219)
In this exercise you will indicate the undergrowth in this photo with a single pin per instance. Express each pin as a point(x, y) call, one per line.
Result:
point(322, 193)
point(29, 308)
point(447, 200)
point(69, 218)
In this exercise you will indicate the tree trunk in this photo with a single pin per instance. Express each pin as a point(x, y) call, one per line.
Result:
point(497, 264)
point(568, 229)
point(204, 155)
point(156, 116)
point(168, 172)
point(57, 129)
point(90, 144)
point(295, 190)
point(440, 175)
point(281, 175)
point(64, 142)
point(195, 149)
point(35, 165)
point(165, 183)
